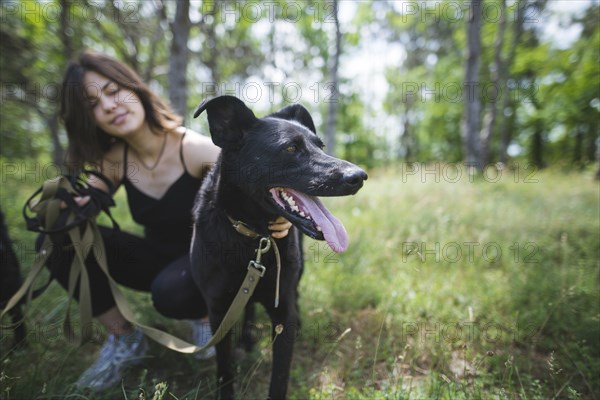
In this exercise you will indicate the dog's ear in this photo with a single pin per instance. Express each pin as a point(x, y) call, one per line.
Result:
point(297, 113)
point(228, 119)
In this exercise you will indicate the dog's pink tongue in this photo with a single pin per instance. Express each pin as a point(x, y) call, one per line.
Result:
point(333, 230)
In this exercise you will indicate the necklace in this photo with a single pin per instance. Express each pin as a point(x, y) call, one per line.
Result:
point(160, 154)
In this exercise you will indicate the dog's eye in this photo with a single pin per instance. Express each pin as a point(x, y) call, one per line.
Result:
point(291, 149)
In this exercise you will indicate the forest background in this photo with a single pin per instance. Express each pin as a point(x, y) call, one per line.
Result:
point(474, 263)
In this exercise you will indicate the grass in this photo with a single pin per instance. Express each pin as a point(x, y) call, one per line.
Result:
point(449, 289)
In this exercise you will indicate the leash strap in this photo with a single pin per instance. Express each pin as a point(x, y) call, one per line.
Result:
point(50, 218)
point(243, 229)
point(174, 343)
point(85, 239)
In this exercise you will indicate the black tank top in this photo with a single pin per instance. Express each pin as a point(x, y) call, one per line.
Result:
point(168, 220)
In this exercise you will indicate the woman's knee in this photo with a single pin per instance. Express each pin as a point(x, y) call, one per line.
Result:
point(161, 299)
point(175, 299)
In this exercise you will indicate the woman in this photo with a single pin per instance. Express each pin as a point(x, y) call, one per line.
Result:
point(134, 139)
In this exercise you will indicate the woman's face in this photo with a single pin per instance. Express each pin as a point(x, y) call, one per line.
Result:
point(117, 111)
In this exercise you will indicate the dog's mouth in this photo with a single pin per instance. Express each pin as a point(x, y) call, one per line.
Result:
point(311, 216)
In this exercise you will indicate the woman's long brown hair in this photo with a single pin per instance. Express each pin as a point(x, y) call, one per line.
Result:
point(88, 142)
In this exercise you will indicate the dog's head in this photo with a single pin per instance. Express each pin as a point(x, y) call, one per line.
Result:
point(279, 161)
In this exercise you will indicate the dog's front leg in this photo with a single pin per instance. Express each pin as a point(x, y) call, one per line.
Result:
point(224, 362)
point(249, 317)
point(285, 329)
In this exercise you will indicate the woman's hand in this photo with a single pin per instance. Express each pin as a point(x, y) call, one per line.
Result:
point(79, 200)
point(280, 227)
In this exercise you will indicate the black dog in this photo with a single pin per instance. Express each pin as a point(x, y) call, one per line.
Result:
point(268, 167)
point(11, 281)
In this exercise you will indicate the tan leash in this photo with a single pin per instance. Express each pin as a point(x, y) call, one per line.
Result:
point(245, 230)
point(48, 210)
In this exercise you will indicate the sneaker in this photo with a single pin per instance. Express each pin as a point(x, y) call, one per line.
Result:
point(115, 356)
point(201, 334)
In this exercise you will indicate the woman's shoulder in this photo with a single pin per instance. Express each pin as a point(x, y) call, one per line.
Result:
point(193, 138)
point(199, 152)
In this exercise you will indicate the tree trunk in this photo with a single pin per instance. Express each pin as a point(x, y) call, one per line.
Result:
point(592, 141)
point(58, 154)
point(161, 15)
point(65, 29)
point(597, 175)
point(505, 134)
point(490, 116)
point(51, 117)
point(537, 145)
point(333, 81)
point(210, 45)
point(407, 140)
point(472, 119)
point(578, 158)
point(179, 57)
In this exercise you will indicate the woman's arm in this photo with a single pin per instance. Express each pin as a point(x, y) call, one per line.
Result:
point(199, 153)
point(111, 166)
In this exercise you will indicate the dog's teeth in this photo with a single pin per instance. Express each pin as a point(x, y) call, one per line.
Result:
point(318, 228)
point(296, 209)
point(302, 214)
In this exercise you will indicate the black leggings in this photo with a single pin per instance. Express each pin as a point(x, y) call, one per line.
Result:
point(141, 264)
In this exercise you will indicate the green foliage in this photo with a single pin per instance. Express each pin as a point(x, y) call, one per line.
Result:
point(553, 89)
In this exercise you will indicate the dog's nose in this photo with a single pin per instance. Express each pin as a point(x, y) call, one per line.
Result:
point(354, 178)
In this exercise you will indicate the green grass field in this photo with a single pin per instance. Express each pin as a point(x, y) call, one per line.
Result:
point(451, 288)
